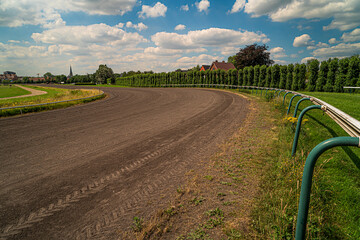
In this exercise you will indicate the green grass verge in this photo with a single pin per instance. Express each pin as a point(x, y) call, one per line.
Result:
point(334, 206)
point(53, 95)
point(12, 91)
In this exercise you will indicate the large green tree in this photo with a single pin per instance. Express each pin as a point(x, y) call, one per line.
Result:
point(252, 55)
point(48, 76)
point(104, 73)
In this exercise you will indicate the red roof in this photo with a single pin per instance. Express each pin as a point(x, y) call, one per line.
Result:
point(222, 65)
point(204, 67)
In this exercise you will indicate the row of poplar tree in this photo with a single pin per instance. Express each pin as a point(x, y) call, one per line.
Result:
point(328, 76)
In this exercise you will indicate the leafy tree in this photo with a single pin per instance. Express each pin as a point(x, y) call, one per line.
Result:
point(26, 79)
point(341, 75)
point(313, 74)
point(231, 59)
point(253, 55)
point(275, 76)
point(330, 81)
point(103, 73)
point(324, 68)
point(283, 72)
point(48, 76)
point(262, 76)
point(289, 76)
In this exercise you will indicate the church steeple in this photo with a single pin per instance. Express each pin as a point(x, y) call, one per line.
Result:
point(71, 73)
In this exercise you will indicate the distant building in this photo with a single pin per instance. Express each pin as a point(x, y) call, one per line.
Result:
point(8, 75)
point(37, 79)
point(204, 67)
point(221, 65)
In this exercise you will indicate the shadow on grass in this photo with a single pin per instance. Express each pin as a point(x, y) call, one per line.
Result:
point(348, 151)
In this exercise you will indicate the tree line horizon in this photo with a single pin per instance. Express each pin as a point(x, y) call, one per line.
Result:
point(253, 68)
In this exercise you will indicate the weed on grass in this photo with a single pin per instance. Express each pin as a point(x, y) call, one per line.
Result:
point(137, 224)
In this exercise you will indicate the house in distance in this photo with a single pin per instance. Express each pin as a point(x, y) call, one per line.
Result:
point(218, 65)
point(221, 65)
point(204, 67)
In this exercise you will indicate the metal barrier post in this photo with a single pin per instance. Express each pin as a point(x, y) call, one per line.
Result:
point(296, 95)
point(307, 178)
point(280, 92)
point(298, 103)
point(275, 92)
point(298, 126)
point(285, 97)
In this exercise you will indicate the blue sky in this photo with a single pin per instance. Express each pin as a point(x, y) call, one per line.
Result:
point(39, 36)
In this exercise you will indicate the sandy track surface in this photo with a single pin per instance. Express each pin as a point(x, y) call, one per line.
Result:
point(34, 92)
point(84, 172)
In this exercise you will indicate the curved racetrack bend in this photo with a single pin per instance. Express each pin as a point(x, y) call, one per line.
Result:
point(84, 172)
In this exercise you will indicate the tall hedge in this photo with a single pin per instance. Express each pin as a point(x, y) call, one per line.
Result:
point(245, 76)
point(313, 75)
point(302, 78)
point(262, 76)
point(289, 76)
point(275, 76)
point(353, 72)
point(250, 79)
point(283, 72)
point(341, 75)
point(240, 77)
point(330, 80)
point(268, 77)
point(320, 83)
point(296, 78)
point(256, 75)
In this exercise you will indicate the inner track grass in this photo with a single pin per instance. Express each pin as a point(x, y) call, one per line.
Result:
point(11, 91)
point(53, 95)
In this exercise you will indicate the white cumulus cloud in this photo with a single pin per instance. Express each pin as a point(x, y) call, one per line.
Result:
point(184, 8)
point(211, 37)
point(85, 35)
point(158, 10)
point(333, 41)
point(278, 52)
point(180, 27)
point(352, 36)
point(46, 13)
point(203, 5)
point(140, 26)
point(344, 12)
point(303, 41)
point(340, 50)
point(238, 6)
point(305, 60)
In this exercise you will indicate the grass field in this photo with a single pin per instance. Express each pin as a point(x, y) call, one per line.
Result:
point(11, 91)
point(336, 184)
point(53, 95)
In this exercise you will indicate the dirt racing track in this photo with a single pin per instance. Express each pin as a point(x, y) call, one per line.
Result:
point(84, 172)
